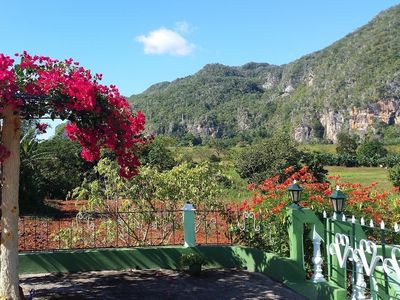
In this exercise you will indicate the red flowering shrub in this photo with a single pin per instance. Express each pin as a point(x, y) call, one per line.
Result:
point(270, 198)
point(99, 117)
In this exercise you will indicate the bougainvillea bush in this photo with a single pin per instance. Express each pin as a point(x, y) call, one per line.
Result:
point(99, 117)
point(266, 222)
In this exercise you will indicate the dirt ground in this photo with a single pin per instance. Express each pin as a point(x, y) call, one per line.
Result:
point(155, 284)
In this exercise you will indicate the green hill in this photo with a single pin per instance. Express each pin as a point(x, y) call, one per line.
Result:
point(354, 85)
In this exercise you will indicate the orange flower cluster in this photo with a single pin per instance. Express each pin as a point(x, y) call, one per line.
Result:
point(271, 197)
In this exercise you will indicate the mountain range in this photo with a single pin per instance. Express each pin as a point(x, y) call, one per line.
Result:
point(352, 85)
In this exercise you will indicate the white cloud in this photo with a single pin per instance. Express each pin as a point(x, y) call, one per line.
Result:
point(165, 41)
point(182, 27)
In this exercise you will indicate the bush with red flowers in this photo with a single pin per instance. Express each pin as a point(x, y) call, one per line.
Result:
point(99, 117)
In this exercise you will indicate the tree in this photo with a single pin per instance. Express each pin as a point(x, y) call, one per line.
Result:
point(99, 117)
point(49, 169)
point(157, 155)
point(270, 158)
point(371, 148)
point(346, 144)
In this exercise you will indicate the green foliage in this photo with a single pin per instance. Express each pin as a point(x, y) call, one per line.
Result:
point(371, 148)
point(346, 144)
point(193, 258)
point(391, 134)
point(198, 185)
point(147, 193)
point(157, 155)
point(347, 160)
point(394, 175)
point(214, 158)
point(270, 235)
point(49, 169)
point(315, 163)
point(268, 158)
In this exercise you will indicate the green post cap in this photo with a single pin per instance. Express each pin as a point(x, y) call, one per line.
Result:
point(295, 187)
point(338, 194)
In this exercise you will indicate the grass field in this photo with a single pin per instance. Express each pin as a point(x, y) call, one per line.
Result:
point(362, 175)
point(324, 148)
point(331, 148)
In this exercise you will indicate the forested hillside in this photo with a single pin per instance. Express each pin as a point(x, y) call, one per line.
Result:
point(352, 85)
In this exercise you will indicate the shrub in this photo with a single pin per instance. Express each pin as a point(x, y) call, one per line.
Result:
point(193, 258)
point(371, 148)
point(347, 160)
point(214, 158)
point(389, 160)
point(268, 158)
point(346, 144)
point(368, 161)
point(157, 155)
point(394, 175)
point(266, 228)
point(315, 163)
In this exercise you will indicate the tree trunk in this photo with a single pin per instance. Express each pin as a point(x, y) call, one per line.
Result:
point(9, 280)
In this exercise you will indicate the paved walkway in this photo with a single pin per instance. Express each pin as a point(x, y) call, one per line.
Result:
point(156, 284)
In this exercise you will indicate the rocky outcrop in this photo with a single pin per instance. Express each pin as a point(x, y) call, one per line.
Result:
point(204, 129)
point(303, 133)
point(387, 112)
point(332, 121)
point(288, 89)
point(310, 78)
point(243, 120)
point(271, 81)
point(355, 120)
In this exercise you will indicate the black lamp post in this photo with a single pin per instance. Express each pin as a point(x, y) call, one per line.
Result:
point(295, 192)
point(338, 199)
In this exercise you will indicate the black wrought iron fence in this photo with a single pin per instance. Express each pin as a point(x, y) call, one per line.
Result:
point(90, 230)
point(100, 230)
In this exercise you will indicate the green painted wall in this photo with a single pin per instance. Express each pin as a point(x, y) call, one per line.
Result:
point(284, 270)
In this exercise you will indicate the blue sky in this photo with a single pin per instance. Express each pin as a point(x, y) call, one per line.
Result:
point(138, 43)
point(103, 35)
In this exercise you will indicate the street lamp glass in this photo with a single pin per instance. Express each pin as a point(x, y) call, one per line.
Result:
point(295, 192)
point(338, 199)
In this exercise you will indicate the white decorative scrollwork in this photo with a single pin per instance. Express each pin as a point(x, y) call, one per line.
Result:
point(334, 248)
point(366, 249)
point(249, 215)
point(83, 216)
point(370, 248)
point(393, 262)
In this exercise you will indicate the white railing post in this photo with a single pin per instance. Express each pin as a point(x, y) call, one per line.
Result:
point(361, 285)
point(317, 258)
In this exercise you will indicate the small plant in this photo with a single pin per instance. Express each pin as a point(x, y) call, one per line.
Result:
point(193, 261)
point(193, 258)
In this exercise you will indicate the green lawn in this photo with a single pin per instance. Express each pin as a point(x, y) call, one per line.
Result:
point(362, 175)
point(331, 148)
point(325, 148)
